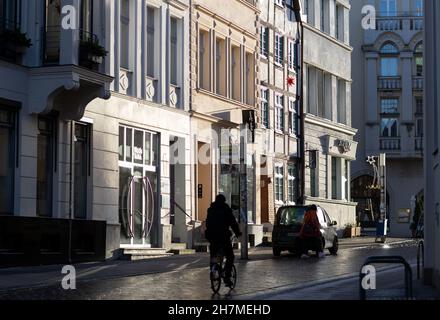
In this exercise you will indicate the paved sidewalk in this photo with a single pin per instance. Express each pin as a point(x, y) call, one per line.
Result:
point(42, 276)
point(389, 286)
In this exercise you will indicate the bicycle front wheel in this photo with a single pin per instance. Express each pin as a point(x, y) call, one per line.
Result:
point(216, 279)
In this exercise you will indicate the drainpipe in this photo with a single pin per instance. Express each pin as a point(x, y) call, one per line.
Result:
point(72, 141)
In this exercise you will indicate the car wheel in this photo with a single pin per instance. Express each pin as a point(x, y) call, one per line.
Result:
point(276, 252)
point(334, 250)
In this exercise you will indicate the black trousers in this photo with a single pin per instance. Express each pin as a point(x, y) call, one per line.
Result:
point(314, 244)
point(226, 250)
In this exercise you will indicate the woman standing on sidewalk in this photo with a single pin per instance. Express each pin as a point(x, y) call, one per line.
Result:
point(310, 235)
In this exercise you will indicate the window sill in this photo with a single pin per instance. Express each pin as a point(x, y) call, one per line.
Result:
point(279, 132)
point(278, 65)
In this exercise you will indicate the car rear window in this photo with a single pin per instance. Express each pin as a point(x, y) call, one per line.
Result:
point(291, 215)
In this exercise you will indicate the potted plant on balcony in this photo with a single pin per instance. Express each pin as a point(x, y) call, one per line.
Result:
point(91, 54)
point(350, 230)
point(13, 44)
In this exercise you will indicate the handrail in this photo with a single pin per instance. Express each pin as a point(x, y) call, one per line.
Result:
point(420, 248)
point(181, 209)
point(387, 259)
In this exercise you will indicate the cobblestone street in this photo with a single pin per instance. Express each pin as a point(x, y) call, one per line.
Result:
point(187, 277)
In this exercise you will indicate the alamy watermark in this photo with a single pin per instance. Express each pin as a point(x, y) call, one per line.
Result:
point(369, 278)
point(69, 280)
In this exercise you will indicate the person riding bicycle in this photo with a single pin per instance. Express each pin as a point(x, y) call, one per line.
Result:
point(220, 219)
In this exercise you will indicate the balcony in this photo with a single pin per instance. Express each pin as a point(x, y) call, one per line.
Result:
point(390, 144)
point(403, 21)
point(174, 96)
point(151, 89)
point(389, 83)
point(417, 83)
point(13, 43)
point(71, 74)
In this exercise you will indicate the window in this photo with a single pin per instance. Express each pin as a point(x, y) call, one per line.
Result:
point(86, 18)
point(389, 62)
point(291, 181)
point(125, 35)
point(418, 56)
point(290, 10)
point(220, 67)
point(10, 11)
point(264, 41)
point(323, 15)
point(418, 8)
point(249, 79)
point(264, 107)
point(204, 66)
point(150, 42)
point(419, 117)
point(293, 117)
point(339, 179)
point(7, 160)
point(279, 183)
point(306, 7)
point(279, 49)
point(389, 106)
point(389, 127)
point(235, 73)
point(45, 165)
point(173, 51)
point(279, 112)
point(81, 169)
point(313, 167)
point(388, 8)
point(389, 117)
point(342, 101)
point(291, 55)
point(320, 92)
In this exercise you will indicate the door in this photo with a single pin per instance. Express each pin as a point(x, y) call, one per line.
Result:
point(138, 187)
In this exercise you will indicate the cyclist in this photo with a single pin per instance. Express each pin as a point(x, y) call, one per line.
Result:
point(220, 219)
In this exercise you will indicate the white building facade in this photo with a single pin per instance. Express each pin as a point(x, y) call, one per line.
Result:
point(388, 109)
point(278, 66)
point(92, 137)
point(329, 146)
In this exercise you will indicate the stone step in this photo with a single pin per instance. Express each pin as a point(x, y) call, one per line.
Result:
point(201, 246)
point(178, 246)
point(151, 256)
point(133, 254)
point(144, 251)
point(182, 251)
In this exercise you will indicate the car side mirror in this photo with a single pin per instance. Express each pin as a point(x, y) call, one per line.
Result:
point(334, 223)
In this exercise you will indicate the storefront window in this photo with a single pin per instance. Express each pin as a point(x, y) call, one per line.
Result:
point(7, 157)
point(81, 169)
point(45, 157)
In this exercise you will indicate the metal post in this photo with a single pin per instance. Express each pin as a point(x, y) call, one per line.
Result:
point(243, 191)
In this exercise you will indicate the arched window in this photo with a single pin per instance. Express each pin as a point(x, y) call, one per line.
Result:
point(418, 58)
point(389, 61)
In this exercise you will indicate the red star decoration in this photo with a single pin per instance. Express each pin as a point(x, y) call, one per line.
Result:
point(290, 81)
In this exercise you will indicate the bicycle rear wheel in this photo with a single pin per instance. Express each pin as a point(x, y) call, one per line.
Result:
point(216, 279)
point(233, 277)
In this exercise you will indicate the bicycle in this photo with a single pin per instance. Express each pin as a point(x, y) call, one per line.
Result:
point(217, 273)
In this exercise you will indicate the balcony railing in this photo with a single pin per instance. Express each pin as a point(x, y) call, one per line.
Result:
point(418, 83)
point(418, 144)
point(389, 83)
point(399, 21)
point(389, 23)
point(390, 144)
point(51, 48)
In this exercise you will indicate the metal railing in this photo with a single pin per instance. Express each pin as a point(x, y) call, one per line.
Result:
point(387, 260)
point(389, 83)
point(418, 83)
point(390, 144)
point(418, 144)
point(397, 21)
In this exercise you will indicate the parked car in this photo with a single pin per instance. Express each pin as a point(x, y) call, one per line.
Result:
point(288, 223)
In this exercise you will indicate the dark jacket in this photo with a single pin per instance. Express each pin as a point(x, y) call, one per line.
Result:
point(220, 219)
